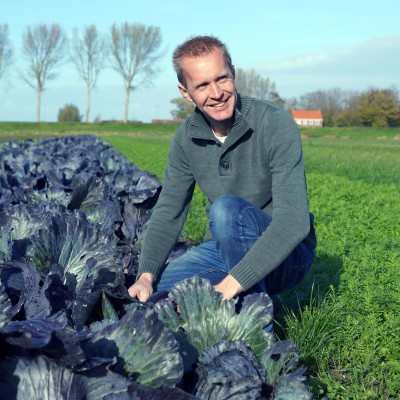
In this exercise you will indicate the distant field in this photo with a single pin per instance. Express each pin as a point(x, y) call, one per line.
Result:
point(351, 133)
point(15, 130)
point(25, 130)
point(345, 317)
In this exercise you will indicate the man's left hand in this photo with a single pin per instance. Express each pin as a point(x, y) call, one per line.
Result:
point(229, 287)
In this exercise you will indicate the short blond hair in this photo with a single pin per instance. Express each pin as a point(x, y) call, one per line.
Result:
point(197, 46)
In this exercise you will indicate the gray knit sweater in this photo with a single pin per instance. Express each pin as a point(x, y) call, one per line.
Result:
point(261, 161)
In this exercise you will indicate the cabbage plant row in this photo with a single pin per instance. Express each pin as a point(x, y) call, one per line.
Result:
point(73, 211)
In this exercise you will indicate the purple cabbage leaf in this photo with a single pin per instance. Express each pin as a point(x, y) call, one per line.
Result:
point(5, 307)
point(39, 378)
point(229, 370)
point(72, 242)
point(279, 362)
point(147, 351)
point(49, 336)
point(206, 319)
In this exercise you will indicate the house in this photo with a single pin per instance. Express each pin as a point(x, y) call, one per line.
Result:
point(308, 118)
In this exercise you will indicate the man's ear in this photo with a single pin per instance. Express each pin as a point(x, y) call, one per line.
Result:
point(184, 92)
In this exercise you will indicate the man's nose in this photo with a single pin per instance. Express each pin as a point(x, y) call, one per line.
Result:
point(215, 91)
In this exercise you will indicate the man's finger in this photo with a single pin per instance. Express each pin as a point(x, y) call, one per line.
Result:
point(143, 296)
point(132, 292)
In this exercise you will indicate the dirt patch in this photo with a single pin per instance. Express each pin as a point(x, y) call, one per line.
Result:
point(329, 137)
point(307, 136)
point(397, 137)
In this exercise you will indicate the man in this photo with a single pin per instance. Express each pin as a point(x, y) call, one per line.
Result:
point(245, 154)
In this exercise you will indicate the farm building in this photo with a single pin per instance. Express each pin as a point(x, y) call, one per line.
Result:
point(308, 117)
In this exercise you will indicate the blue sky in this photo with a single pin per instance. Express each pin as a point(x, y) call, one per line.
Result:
point(302, 46)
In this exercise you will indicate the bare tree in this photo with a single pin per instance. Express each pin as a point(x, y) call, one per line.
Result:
point(88, 55)
point(134, 53)
point(44, 47)
point(251, 83)
point(6, 52)
point(291, 104)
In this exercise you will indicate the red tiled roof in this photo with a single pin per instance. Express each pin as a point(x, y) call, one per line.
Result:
point(306, 114)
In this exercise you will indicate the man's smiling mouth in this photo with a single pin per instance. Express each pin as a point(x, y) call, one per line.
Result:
point(221, 104)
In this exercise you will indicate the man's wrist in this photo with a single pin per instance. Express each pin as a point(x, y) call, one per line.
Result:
point(147, 276)
point(229, 287)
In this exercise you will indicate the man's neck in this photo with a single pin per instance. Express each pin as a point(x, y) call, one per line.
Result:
point(221, 129)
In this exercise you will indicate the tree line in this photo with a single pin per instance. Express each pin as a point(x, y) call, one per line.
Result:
point(373, 107)
point(132, 50)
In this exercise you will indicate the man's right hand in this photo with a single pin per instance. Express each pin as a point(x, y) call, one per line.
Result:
point(142, 289)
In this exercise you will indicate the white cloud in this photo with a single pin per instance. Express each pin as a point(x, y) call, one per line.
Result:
point(371, 63)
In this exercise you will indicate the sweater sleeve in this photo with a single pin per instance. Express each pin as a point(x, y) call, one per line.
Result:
point(170, 212)
point(290, 217)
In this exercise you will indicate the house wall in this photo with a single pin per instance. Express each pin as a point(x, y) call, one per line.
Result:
point(309, 122)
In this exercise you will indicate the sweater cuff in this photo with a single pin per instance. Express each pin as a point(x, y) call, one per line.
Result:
point(245, 275)
point(146, 265)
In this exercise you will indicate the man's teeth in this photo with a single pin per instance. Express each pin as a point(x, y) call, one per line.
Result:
point(220, 104)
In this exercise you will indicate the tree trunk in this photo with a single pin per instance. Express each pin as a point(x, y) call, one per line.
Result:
point(38, 99)
point(127, 94)
point(87, 103)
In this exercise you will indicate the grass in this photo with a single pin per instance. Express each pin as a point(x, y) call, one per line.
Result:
point(345, 316)
point(354, 193)
point(369, 160)
point(356, 271)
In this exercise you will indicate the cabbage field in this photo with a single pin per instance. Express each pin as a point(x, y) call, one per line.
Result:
point(70, 231)
point(73, 212)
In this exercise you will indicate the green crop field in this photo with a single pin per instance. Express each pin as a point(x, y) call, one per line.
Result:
point(345, 317)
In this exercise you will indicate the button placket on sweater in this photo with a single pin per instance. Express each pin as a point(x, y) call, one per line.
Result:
point(224, 165)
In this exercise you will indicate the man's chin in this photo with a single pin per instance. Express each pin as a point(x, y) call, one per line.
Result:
point(223, 116)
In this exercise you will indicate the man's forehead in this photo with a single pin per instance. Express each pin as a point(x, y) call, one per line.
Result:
point(197, 62)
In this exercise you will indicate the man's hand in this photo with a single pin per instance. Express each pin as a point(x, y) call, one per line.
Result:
point(229, 287)
point(142, 289)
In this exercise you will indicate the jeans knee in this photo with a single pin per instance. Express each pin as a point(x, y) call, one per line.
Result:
point(233, 215)
point(223, 208)
point(223, 212)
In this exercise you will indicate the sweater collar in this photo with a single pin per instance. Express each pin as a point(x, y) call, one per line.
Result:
point(200, 127)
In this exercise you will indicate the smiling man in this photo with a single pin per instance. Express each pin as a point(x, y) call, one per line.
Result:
point(245, 155)
point(208, 82)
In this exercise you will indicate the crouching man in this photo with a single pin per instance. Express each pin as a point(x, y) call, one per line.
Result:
point(245, 154)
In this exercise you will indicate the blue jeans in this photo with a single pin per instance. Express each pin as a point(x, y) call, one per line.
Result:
point(235, 224)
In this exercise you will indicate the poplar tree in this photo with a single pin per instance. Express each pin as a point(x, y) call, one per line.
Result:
point(6, 52)
point(44, 48)
point(135, 50)
point(88, 54)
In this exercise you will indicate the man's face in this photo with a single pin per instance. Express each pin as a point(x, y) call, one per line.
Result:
point(209, 84)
